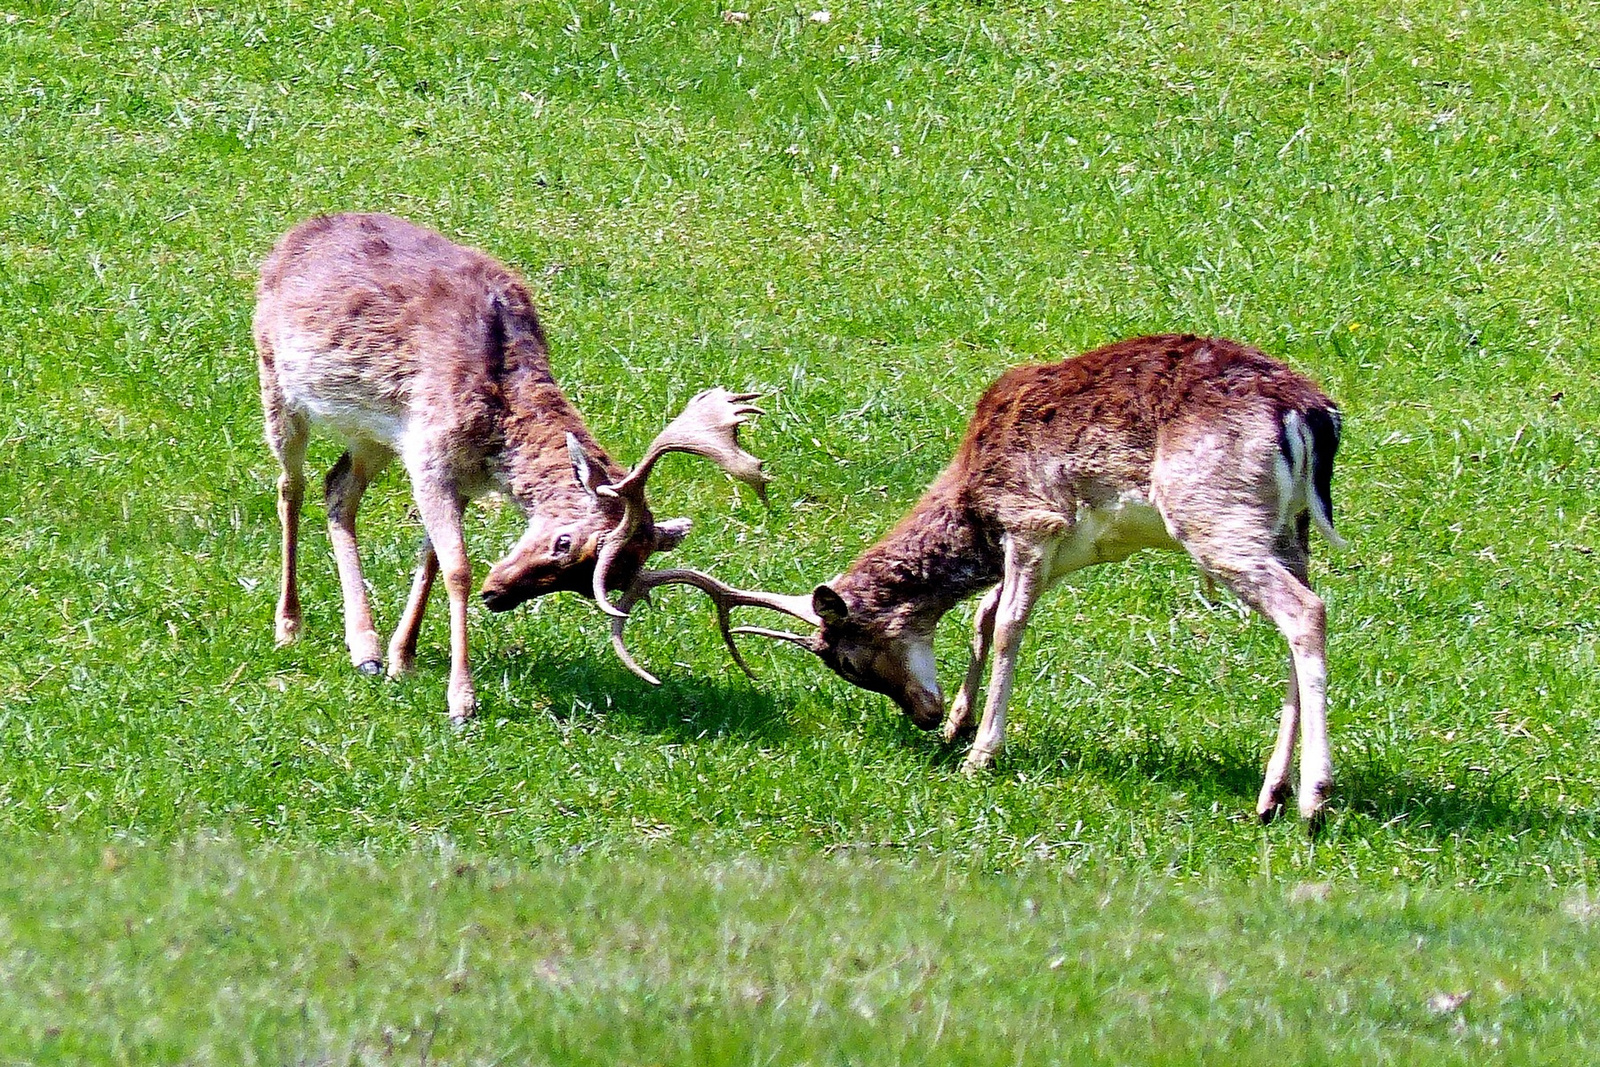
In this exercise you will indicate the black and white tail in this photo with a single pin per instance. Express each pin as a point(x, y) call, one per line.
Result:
point(1308, 440)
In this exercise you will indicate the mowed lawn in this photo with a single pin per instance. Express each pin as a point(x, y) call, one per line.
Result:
point(218, 852)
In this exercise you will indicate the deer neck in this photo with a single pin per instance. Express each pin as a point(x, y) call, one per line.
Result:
point(936, 557)
point(535, 462)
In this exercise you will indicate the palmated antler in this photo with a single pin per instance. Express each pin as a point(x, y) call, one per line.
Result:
point(708, 426)
point(724, 596)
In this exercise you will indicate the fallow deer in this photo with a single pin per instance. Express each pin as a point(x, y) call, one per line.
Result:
point(405, 344)
point(1171, 442)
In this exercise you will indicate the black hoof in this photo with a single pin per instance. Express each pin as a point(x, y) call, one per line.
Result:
point(371, 667)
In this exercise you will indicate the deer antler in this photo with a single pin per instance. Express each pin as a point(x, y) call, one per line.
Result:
point(724, 596)
point(708, 426)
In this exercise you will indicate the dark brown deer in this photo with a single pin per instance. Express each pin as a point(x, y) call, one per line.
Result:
point(407, 345)
point(1189, 443)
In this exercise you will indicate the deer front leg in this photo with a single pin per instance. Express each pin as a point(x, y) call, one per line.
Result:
point(441, 510)
point(959, 721)
point(403, 645)
point(343, 488)
point(1019, 591)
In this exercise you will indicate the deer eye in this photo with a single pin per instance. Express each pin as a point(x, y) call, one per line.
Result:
point(564, 543)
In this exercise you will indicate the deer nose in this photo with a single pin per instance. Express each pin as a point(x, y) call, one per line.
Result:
point(925, 708)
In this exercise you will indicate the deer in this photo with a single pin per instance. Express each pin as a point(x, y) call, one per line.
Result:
point(1203, 445)
point(408, 346)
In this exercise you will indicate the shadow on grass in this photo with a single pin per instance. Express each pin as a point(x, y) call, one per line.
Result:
point(1434, 807)
point(1065, 754)
point(685, 707)
point(1441, 808)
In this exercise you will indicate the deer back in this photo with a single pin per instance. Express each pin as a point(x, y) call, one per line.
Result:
point(1124, 423)
point(394, 336)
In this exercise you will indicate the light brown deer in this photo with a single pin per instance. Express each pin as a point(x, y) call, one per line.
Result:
point(1189, 443)
point(407, 345)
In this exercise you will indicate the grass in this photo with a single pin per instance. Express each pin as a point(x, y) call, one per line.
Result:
point(319, 958)
point(869, 218)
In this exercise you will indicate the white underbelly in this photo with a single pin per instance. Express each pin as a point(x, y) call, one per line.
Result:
point(334, 393)
point(354, 422)
point(1108, 534)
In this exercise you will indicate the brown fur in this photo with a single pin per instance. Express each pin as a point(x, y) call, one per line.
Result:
point(403, 343)
point(1169, 441)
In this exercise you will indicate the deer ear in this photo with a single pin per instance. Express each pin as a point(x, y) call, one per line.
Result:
point(670, 534)
point(829, 605)
point(582, 469)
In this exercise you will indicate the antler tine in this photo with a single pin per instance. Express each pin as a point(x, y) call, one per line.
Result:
point(619, 620)
point(708, 426)
point(809, 642)
point(610, 548)
point(724, 597)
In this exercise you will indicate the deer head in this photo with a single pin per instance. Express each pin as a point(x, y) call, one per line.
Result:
point(567, 526)
point(595, 537)
point(878, 654)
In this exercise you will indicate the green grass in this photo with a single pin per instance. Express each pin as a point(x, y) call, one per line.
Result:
point(869, 218)
point(312, 958)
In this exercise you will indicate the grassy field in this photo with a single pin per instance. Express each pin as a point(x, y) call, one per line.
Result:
point(310, 958)
point(868, 217)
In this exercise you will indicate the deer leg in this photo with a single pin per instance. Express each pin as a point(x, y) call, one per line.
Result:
point(959, 721)
point(1275, 786)
point(1274, 590)
point(1019, 591)
point(343, 488)
point(441, 510)
point(403, 645)
point(288, 439)
point(287, 435)
point(1294, 551)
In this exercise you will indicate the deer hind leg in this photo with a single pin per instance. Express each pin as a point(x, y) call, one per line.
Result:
point(958, 722)
point(1019, 590)
point(1226, 507)
point(1275, 785)
point(1295, 555)
point(287, 435)
point(442, 508)
point(343, 488)
point(403, 645)
point(1273, 587)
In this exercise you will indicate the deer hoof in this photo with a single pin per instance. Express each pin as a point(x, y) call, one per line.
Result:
point(463, 706)
point(977, 763)
point(1312, 800)
point(1271, 803)
point(955, 729)
point(370, 667)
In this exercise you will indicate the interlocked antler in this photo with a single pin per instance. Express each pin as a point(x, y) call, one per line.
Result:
point(724, 596)
point(708, 426)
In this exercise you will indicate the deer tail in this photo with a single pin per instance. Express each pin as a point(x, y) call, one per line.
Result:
point(1309, 440)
